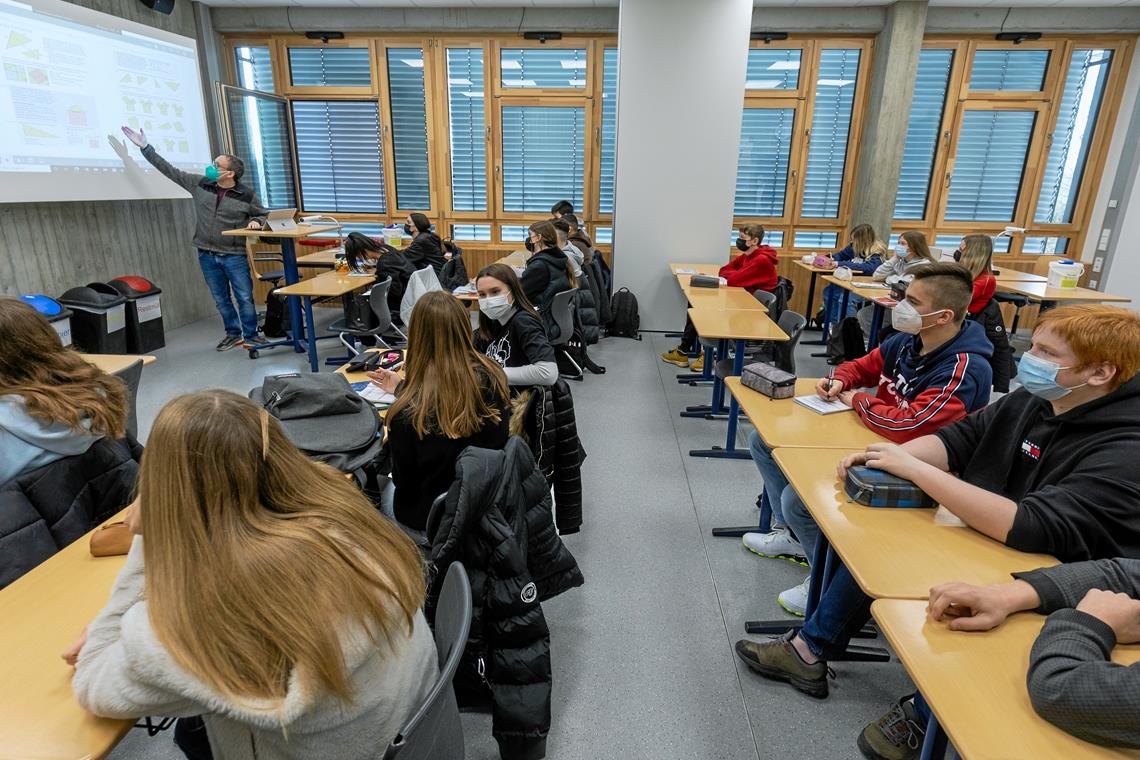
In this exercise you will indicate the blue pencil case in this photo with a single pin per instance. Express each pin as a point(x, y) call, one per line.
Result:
point(878, 488)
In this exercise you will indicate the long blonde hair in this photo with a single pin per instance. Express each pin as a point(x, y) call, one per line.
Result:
point(865, 242)
point(916, 241)
point(445, 379)
point(257, 557)
point(57, 384)
point(977, 253)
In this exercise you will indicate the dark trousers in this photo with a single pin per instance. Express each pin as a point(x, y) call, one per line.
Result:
point(190, 737)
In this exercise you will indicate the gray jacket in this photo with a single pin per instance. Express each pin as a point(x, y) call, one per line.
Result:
point(237, 209)
point(1072, 681)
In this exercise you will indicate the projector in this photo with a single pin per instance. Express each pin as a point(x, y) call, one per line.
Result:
point(162, 6)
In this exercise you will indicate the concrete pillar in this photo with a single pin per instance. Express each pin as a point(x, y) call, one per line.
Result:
point(893, 74)
point(681, 74)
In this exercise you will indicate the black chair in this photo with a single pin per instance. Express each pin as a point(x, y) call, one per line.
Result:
point(378, 301)
point(273, 276)
point(765, 297)
point(562, 310)
point(781, 354)
point(131, 375)
point(434, 731)
point(1019, 302)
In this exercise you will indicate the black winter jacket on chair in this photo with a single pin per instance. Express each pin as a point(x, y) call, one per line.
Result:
point(552, 431)
point(1001, 361)
point(44, 510)
point(586, 308)
point(496, 520)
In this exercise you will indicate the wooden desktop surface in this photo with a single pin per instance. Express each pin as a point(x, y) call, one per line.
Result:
point(783, 422)
point(327, 284)
point(735, 325)
point(1016, 275)
point(325, 257)
point(44, 612)
point(112, 363)
point(975, 683)
point(813, 268)
point(1040, 291)
point(896, 553)
point(860, 286)
point(705, 268)
point(303, 230)
point(722, 299)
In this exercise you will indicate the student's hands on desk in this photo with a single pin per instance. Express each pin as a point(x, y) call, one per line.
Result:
point(385, 379)
point(1119, 612)
point(889, 457)
point(980, 608)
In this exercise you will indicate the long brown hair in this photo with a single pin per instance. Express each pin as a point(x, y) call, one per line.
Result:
point(257, 557)
point(549, 234)
point(977, 253)
point(445, 378)
point(57, 384)
point(507, 276)
point(916, 241)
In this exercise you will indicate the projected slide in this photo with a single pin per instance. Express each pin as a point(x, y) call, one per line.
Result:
point(73, 76)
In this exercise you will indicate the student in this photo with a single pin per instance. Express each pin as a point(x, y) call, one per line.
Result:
point(579, 237)
point(862, 255)
point(365, 254)
point(451, 397)
point(510, 330)
point(301, 637)
point(573, 253)
point(547, 271)
point(53, 402)
point(911, 252)
point(1043, 469)
point(561, 208)
point(426, 249)
point(754, 269)
point(935, 370)
point(975, 252)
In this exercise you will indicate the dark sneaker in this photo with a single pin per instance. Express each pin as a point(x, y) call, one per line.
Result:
point(254, 343)
point(778, 660)
point(897, 735)
point(229, 342)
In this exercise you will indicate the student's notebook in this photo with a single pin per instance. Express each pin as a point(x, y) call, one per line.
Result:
point(373, 394)
point(819, 406)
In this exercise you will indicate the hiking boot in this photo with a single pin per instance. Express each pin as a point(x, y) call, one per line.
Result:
point(897, 735)
point(676, 356)
point(228, 342)
point(794, 600)
point(779, 544)
point(699, 364)
point(778, 660)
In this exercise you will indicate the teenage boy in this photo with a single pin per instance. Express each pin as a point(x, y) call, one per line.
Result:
point(935, 370)
point(560, 208)
point(1045, 469)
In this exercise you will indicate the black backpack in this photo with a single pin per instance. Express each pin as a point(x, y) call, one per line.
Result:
point(626, 322)
point(276, 315)
point(846, 342)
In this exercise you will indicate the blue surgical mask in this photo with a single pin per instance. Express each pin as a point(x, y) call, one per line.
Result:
point(1039, 377)
point(902, 252)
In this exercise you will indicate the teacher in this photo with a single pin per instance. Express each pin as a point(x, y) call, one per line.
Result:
point(221, 203)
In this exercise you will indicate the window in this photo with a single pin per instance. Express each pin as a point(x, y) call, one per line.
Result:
point(950, 242)
point(1072, 135)
point(471, 232)
point(603, 235)
point(543, 156)
point(339, 155)
point(1009, 70)
point(808, 239)
point(992, 147)
point(830, 128)
point(254, 68)
point(259, 131)
point(773, 69)
point(514, 233)
point(762, 168)
point(409, 127)
point(330, 67)
point(609, 131)
point(922, 133)
point(466, 129)
point(1049, 246)
point(543, 68)
point(372, 229)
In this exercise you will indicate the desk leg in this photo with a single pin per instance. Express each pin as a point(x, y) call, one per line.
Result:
point(729, 451)
point(705, 374)
point(934, 745)
point(827, 320)
point(811, 302)
point(717, 405)
point(311, 328)
point(765, 525)
point(292, 276)
point(876, 325)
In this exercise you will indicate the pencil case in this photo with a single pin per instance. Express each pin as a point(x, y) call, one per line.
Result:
point(878, 488)
point(771, 381)
point(704, 281)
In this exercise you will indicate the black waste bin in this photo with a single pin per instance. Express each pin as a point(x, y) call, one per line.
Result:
point(98, 321)
point(144, 313)
point(56, 313)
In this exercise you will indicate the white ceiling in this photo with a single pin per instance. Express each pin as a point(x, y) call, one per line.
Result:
point(613, 3)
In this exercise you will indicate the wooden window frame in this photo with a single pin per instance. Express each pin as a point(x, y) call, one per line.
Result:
point(380, 74)
point(566, 43)
point(807, 55)
point(798, 147)
point(373, 90)
point(1050, 82)
point(442, 130)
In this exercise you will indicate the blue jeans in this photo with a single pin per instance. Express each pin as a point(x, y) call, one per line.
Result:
point(774, 481)
point(801, 522)
point(833, 302)
point(843, 610)
point(224, 272)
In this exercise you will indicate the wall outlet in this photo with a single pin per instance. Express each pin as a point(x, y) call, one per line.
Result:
point(1112, 203)
point(1102, 244)
point(1098, 263)
point(1092, 284)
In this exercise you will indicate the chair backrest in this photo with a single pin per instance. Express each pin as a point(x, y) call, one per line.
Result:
point(434, 731)
point(765, 297)
point(793, 325)
point(130, 375)
point(562, 311)
point(423, 281)
point(378, 300)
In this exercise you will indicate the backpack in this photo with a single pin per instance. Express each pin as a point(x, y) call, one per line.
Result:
point(277, 321)
point(358, 313)
point(626, 321)
point(846, 342)
point(454, 273)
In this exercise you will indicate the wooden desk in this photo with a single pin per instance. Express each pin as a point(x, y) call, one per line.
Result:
point(44, 613)
point(1016, 275)
point(324, 258)
point(975, 684)
point(514, 259)
point(706, 268)
point(783, 422)
point(896, 553)
point(814, 271)
point(722, 299)
point(327, 284)
point(112, 363)
point(1041, 292)
point(303, 230)
point(864, 287)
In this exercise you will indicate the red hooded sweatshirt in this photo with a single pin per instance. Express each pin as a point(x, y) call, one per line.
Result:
point(752, 271)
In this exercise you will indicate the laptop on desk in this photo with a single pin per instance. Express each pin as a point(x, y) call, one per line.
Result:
point(281, 219)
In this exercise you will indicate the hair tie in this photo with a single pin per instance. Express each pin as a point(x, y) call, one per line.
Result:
point(264, 435)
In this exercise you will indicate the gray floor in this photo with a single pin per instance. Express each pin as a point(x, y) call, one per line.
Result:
point(642, 653)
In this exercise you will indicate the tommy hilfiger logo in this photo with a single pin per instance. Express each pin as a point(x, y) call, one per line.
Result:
point(1031, 449)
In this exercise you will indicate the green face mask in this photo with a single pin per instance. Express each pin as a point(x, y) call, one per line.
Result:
point(212, 173)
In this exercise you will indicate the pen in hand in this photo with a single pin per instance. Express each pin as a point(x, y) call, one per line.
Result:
point(830, 380)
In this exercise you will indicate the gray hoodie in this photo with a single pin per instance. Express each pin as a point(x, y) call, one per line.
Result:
point(124, 671)
point(28, 442)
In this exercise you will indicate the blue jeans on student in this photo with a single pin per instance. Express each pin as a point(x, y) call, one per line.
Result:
point(797, 517)
point(224, 272)
point(843, 610)
point(833, 303)
point(774, 480)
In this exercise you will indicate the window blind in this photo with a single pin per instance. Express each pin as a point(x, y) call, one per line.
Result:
point(922, 132)
point(609, 131)
point(830, 130)
point(555, 68)
point(1009, 70)
point(773, 69)
point(514, 233)
point(603, 235)
point(762, 166)
point(819, 240)
point(254, 68)
point(471, 231)
point(1048, 246)
point(466, 127)
point(989, 165)
point(259, 133)
point(330, 67)
point(773, 238)
point(339, 155)
point(543, 156)
point(1072, 135)
point(409, 127)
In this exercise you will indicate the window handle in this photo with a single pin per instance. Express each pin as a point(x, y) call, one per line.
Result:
point(948, 176)
point(946, 137)
point(597, 135)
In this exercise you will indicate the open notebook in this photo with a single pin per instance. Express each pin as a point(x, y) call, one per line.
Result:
point(819, 406)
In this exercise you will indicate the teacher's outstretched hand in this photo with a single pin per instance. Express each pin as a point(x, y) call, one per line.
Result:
point(138, 138)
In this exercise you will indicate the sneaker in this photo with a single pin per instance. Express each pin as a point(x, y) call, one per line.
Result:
point(228, 342)
point(898, 735)
point(778, 660)
point(676, 356)
point(699, 364)
point(256, 342)
point(779, 544)
point(794, 600)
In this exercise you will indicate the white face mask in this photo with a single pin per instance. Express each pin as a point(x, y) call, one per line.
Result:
point(905, 318)
point(495, 307)
point(902, 252)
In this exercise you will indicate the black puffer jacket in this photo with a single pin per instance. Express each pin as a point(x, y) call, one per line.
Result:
point(586, 302)
point(1001, 361)
point(496, 520)
point(395, 264)
point(605, 315)
point(553, 435)
point(546, 274)
point(426, 250)
point(44, 510)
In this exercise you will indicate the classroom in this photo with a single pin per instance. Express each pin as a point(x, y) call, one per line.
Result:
point(655, 379)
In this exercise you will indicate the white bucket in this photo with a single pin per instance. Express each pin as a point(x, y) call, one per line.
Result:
point(1065, 273)
point(393, 236)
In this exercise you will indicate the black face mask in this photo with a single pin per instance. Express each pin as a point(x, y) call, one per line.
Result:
point(957, 255)
point(529, 245)
point(410, 231)
point(741, 244)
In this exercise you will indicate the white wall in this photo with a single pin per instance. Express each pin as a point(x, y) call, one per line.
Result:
point(681, 73)
point(1124, 269)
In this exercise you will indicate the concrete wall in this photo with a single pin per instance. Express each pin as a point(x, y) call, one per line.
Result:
point(1120, 186)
